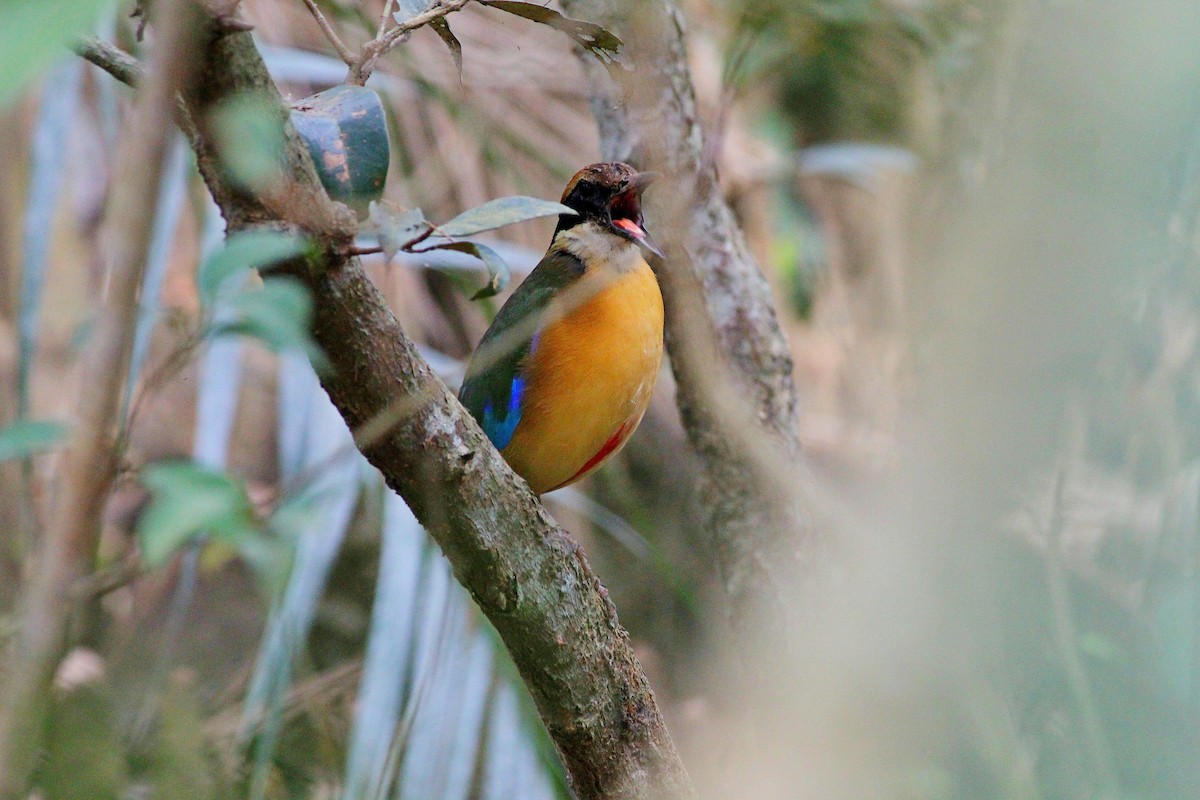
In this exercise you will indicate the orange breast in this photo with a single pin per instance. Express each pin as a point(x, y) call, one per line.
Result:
point(591, 373)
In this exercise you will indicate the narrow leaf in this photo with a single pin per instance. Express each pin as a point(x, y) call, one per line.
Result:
point(499, 213)
point(243, 251)
point(442, 28)
point(26, 437)
point(498, 272)
point(602, 43)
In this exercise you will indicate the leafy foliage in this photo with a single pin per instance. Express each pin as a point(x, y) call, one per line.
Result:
point(241, 252)
point(33, 34)
point(189, 501)
point(249, 140)
point(277, 314)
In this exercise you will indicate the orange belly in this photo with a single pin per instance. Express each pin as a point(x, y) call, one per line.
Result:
point(591, 374)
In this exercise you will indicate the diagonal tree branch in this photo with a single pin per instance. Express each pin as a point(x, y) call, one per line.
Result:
point(526, 574)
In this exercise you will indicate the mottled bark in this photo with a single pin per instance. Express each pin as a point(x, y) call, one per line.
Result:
point(730, 357)
point(527, 575)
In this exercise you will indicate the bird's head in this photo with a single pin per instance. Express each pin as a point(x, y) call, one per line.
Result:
point(610, 194)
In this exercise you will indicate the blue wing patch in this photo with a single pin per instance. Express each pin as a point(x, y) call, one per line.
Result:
point(500, 426)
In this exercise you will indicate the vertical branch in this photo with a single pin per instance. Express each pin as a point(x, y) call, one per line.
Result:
point(731, 360)
point(69, 547)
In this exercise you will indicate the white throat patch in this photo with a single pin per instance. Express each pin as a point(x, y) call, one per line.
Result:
point(592, 244)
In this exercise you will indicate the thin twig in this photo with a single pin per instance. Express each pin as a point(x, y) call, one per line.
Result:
point(383, 18)
point(330, 34)
point(372, 50)
point(109, 580)
point(115, 62)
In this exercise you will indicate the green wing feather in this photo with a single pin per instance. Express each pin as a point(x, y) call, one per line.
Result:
point(494, 383)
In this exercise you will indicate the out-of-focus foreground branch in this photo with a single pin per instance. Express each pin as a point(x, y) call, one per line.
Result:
point(68, 548)
point(730, 358)
point(527, 575)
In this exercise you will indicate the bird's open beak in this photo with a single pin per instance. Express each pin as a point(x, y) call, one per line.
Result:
point(634, 225)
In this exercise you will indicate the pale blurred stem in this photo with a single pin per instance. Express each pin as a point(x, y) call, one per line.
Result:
point(731, 360)
point(524, 571)
point(1067, 636)
point(68, 549)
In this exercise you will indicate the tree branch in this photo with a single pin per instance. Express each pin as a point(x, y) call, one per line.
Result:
point(362, 68)
point(524, 571)
point(69, 548)
point(115, 62)
point(731, 361)
point(331, 34)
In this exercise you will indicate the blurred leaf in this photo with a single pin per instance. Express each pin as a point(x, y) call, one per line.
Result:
point(249, 139)
point(602, 43)
point(27, 436)
point(442, 28)
point(499, 213)
point(498, 272)
point(277, 314)
point(83, 752)
point(178, 763)
point(395, 227)
point(245, 250)
point(33, 35)
point(48, 155)
point(189, 500)
point(407, 9)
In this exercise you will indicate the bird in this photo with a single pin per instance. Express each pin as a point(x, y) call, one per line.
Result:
point(565, 372)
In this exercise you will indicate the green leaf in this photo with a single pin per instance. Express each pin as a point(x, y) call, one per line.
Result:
point(498, 272)
point(396, 228)
point(33, 34)
point(249, 136)
point(602, 43)
point(278, 314)
point(27, 436)
point(442, 28)
point(499, 213)
point(189, 500)
point(242, 251)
